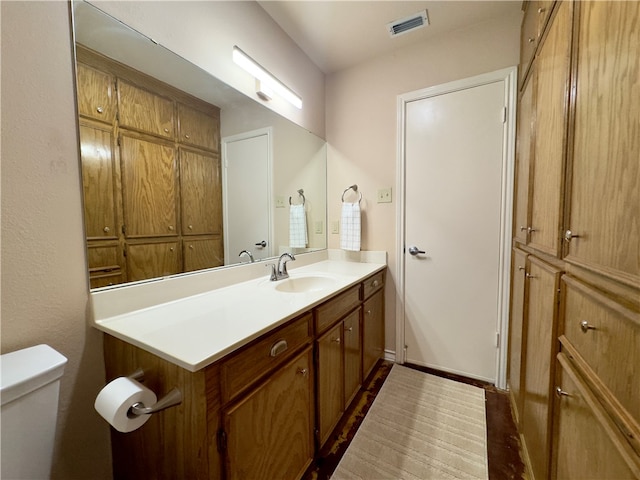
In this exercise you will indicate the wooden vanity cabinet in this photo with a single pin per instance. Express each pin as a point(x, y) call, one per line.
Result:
point(269, 432)
point(198, 128)
point(372, 322)
point(201, 253)
point(261, 412)
point(152, 259)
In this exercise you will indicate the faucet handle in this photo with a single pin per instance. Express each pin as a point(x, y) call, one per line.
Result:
point(274, 275)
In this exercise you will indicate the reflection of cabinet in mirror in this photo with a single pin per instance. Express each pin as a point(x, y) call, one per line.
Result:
point(151, 174)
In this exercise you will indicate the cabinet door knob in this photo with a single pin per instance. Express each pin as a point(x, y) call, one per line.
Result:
point(166, 130)
point(561, 393)
point(190, 227)
point(303, 371)
point(541, 10)
point(350, 329)
point(568, 235)
point(187, 137)
point(523, 229)
point(528, 275)
point(585, 327)
point(375, 283)
point(531, 230)
point(171, 228)
point(520, 268)
point(191, 247)
point(106, 229)
point(368, 312)
point(171, 249)
point(531, 39)
point(337, 340)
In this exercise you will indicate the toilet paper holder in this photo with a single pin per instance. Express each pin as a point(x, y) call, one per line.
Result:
point(173, 397)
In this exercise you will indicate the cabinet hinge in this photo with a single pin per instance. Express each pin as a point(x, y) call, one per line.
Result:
point(504, 114)
point(222, 441)
point(497, 339)
point(124, 230)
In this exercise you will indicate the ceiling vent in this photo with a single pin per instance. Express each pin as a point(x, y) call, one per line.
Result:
point(407, 24)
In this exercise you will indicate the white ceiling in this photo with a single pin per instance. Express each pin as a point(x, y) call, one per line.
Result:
point(339, 34)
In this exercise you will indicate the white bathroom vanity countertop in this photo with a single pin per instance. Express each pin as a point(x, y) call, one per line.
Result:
point(197, 330)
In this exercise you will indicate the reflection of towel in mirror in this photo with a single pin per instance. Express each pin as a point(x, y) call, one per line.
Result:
point(350, 226)
point(297, 226)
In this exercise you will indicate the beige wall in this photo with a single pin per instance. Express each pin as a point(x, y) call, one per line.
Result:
point(44, 282)
point(361, 114)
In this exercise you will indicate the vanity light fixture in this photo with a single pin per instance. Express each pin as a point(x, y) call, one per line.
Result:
point(265, 82)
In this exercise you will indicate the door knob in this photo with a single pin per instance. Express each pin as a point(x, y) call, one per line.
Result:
point(261, 244)
point(415, 250)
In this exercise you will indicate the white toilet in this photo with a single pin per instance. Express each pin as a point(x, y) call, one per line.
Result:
point(29, 387)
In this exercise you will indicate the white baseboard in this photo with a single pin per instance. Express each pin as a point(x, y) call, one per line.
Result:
point(390, 355)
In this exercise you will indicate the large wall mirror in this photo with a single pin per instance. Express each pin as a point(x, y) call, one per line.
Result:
point(180, 171)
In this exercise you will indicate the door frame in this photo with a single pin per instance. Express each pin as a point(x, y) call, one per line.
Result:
point(509, 76)
point(268, 131)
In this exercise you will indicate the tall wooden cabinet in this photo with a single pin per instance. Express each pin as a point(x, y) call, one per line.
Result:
point(151, 174)
point(575, 304)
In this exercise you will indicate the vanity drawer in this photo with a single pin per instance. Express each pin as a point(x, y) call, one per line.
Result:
point(263, 355)
point(333, 310)
point(372, 284)
point(609, 341)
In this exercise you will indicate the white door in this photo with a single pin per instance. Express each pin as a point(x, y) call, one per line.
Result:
point(454, 219)
point(247, 194)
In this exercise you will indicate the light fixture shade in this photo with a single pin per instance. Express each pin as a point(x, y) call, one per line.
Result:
point(266, 81)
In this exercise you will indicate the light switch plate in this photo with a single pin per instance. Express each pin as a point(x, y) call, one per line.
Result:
point(280, 202)
point(384, 195)
point(319, 226)
point(335, 227)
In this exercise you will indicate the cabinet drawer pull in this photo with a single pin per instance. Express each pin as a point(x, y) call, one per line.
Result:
point(302, 371)
point(337, 340)
point(585, 327)
point(375, 283)
point(561, 393)
point(278, 347)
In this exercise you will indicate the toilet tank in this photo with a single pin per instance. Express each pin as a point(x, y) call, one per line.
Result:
point(29, 387)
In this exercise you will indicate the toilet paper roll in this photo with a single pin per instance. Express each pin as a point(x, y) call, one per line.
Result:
point(115, 399)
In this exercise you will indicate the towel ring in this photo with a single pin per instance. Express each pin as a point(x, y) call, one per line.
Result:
point(355, 189)
point(301, 193)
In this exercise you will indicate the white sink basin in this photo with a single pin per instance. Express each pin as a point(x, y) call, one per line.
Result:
point(305, 284)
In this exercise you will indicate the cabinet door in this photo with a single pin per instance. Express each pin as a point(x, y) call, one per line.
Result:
point(198, 128)
point(352, 356)
point(552, 87)
point(149, 187)
point(152, 260)
point(144, 111)
point(372, 331)
point(98, 181)
point(200, 253)
point(330, 381)
point(517, 328)
point(587, 445)
point(270, 432)
point(528, 37)
point(201, 193)
point(96, 94)
point(542, 284)
point(523, 162)
point(605, 181)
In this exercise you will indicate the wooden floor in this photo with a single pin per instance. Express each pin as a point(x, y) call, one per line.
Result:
point(503, 444)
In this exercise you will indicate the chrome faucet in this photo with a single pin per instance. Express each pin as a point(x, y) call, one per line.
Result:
point(280, 272)
point(247, 252)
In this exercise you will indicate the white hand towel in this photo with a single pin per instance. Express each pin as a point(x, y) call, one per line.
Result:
point(297, 226)
point(350, 226)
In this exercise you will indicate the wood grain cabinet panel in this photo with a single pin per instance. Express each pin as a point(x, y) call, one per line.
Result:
point(521, 221)
point(352, 355)
point(144, 111)
point(269, 433)
point(587, 446)
point(517, 330)
point(198, 128)
point(149, 181)
point(200, 193)
point(372, 332)
point(330, 381)
point(552, 87)
point(99, 182)
point(152, 260)
point(201, 253)
point(106, 264)
point(606, 335)
point(330, 312)
point(541, 346)
point(96, 93)
point(605, 180)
